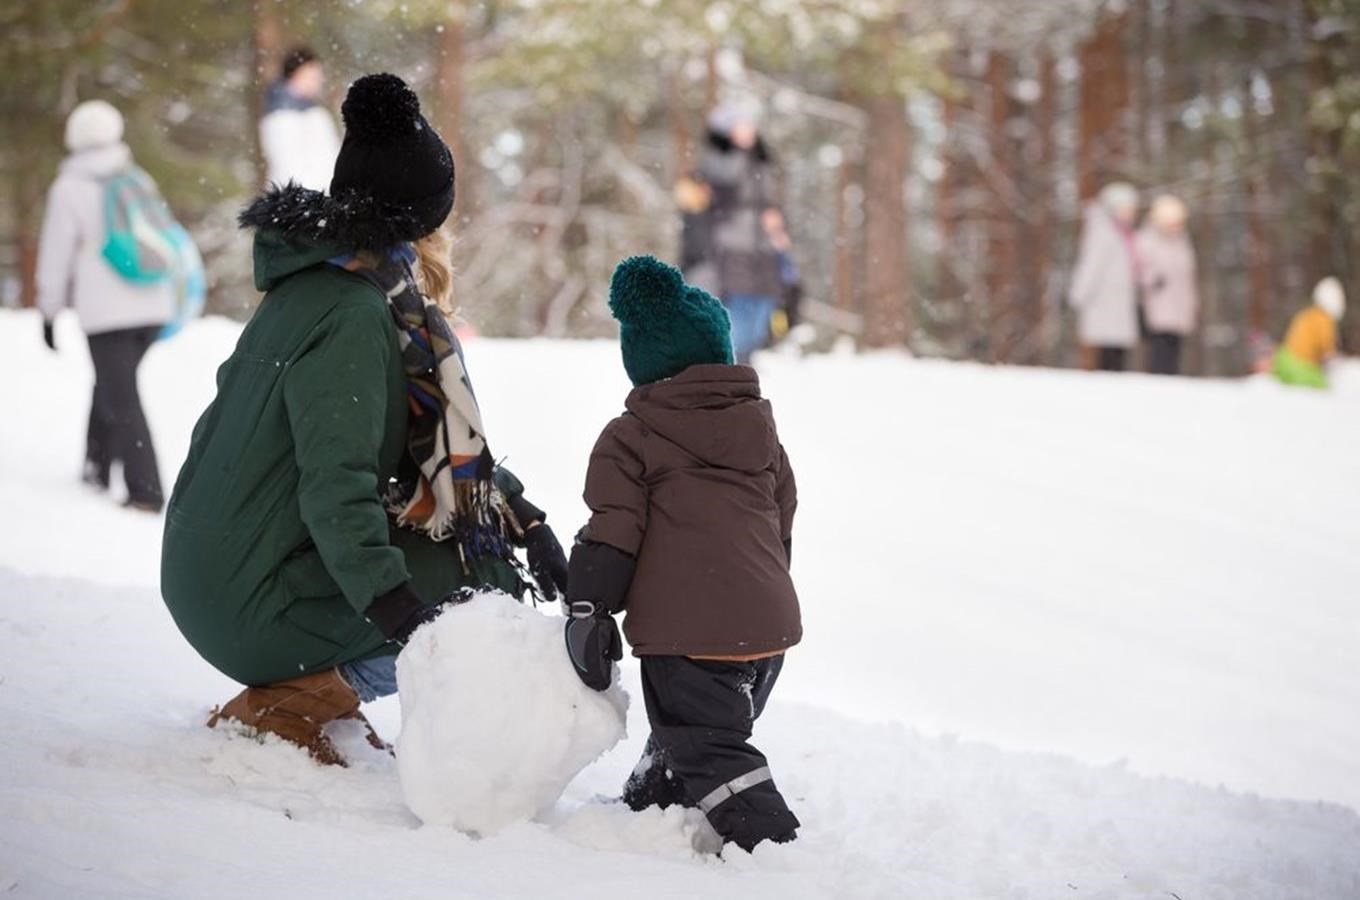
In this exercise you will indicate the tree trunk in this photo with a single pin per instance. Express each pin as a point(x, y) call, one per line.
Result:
point(448, 99)
point(711, 79)
point(1211, 230)
point(1102, 151)
point(1141, 12)
point(1004, 319)
point(887, 288)
point(1175, 89)
point(678, 114)
point(267, 52)
point(1045, 230)
point(950, 286)
point(1258, 241)
point(845, 241)
point(26, 202)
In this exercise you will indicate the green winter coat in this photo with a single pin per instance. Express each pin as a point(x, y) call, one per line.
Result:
point(275, 539)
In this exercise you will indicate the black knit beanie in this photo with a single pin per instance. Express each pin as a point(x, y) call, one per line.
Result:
point(391, 158)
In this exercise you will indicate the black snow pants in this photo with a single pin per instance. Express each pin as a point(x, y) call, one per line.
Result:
point(118, 429)
point(699, 753)
point(1164, 353)
point(1112, 359)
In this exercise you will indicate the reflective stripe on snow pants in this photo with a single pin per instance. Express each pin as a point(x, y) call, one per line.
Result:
point(734, 787)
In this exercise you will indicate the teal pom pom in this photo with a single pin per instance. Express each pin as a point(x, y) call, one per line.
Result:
point(642, 287)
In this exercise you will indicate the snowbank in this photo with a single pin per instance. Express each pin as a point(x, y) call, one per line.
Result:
point(494, 722)
point(1151, 581)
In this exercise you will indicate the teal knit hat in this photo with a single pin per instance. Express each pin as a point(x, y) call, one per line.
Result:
point(665, 325)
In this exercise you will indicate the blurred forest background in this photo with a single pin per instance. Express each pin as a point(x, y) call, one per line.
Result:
point(933, 155)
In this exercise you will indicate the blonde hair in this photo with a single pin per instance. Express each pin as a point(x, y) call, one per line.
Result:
point(434, 269)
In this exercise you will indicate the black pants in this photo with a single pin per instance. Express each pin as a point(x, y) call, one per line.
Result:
point(699, 753)
point(1111, 359)
point(118, 429)
point(1163, 353)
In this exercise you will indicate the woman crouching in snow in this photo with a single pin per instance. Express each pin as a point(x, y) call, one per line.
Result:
point(340, 485)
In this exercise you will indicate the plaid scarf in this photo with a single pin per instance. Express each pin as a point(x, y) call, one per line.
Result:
point(454, 496)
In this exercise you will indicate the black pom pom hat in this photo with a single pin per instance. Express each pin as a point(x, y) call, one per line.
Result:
point(391, 160)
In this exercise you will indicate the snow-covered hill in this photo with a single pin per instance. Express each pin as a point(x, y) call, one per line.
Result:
point(1065, 635)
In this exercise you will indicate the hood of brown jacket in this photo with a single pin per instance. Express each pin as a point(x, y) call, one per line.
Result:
point(714, 413)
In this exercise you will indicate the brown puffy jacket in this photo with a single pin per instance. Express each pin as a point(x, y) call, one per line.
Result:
point(694, 483)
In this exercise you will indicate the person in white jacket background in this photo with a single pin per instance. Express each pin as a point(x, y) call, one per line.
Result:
point(297, 134)
point(120, 317)
point(1104, 288)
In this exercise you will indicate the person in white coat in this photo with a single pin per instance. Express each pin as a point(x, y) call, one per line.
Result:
point(297, 134)
point(1104, 288)
point(1167, 273)
point(120, 318)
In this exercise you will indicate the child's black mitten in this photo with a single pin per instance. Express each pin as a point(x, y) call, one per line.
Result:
point(594, 645)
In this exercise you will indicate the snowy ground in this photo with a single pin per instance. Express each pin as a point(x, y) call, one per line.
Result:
point(1067, 635)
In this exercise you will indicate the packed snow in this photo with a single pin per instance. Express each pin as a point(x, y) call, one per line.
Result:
point(1067, 635)
point(494, 722)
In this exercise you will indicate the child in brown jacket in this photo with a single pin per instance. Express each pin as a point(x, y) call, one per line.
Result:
point(692, 502)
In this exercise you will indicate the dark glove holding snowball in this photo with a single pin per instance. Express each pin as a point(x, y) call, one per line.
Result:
point(547, 561)
point(399, 612)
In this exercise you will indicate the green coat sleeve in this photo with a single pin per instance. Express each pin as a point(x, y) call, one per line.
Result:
point(336, 397)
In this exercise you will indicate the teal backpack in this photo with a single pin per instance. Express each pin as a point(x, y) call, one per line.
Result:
point(145, 245)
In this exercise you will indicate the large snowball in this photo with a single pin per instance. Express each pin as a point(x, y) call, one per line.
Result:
point(494, 721)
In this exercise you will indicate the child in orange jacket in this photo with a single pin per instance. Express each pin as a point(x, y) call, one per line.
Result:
point(1311, 339)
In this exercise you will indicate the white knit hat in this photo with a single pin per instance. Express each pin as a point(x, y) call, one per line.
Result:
point(1330, 297)
point(92, 124)
point(1118, 196)
point(728, 114)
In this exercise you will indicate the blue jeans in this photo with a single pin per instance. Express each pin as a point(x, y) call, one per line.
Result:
point(371, 678)
point(750, 323)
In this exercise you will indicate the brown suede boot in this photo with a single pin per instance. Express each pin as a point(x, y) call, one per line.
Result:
point(297, 710)
point(371, 734)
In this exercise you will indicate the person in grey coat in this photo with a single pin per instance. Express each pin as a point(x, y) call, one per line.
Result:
point(120, 318)
point(737, 168)
point(1104, 288)
point(1166, 265)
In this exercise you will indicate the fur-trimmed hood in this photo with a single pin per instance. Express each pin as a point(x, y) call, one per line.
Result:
point(349, 222)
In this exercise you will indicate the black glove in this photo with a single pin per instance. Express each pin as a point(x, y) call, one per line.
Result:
point(547, 562)
point(49, 336)
point(594, 645)
point(399, 612)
